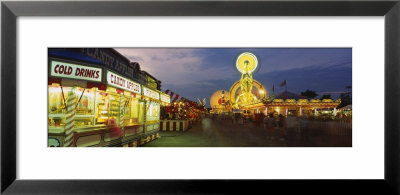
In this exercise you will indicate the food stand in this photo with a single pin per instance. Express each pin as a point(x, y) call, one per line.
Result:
point(96, 106)
point(122, 102)
point(65, 82)
point(92, 105)
point(180, 115)
point(152, 114)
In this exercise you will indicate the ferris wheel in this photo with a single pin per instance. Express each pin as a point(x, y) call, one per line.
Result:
point(257, 90)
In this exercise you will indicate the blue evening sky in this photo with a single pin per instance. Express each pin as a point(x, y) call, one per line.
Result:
point(199, 72)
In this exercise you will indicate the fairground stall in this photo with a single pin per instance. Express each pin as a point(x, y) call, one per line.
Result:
point(152, 115)
point(220, 104)
point(291, 104)
point(175, 120)
point(165, 105)
point(96, 98)
point(180, 114)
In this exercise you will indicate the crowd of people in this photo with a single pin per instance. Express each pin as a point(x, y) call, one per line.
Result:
point(277, 125)
point(345, 117)
point(274, 124)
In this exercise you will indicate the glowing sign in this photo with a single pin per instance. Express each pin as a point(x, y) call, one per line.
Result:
point(150, 93)
point(122, 82)
point(74, 71)
point(165, 98)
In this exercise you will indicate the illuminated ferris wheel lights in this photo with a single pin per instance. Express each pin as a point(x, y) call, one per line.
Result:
point(246, 62)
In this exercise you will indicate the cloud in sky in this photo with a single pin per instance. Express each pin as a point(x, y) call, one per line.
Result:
point(198, 72)
point(174, 66)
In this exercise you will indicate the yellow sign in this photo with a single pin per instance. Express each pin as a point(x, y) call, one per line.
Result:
point(165, 98)
point(246, 62)
point(150, 93)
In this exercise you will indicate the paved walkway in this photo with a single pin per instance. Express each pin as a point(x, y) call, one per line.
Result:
point(222, 133)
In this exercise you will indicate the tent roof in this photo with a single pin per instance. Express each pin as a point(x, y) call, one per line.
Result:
point(346, 107)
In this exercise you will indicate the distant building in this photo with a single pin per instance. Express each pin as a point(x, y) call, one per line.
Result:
point(288, 103)
point(151, 81)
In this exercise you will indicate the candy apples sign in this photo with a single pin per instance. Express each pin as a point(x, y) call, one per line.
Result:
point(75, 71)
point(122, 82)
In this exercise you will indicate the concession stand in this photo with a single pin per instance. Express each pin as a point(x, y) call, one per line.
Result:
point(165, 99)
point(165, 105)
point(180, 115)
point(125, 106)
point(151, 100)
point(93, 100)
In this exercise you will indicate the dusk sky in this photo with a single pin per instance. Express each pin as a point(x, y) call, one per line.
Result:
point(199, 72)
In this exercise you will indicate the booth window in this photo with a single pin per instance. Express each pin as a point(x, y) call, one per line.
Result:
point(152, 111)
point(135, 109)
point(107, 105)
point(57, 105)
point(141, 112)
point(84, 115)
point(101, 107)
point(56, 100)
point(93, 107)
point(131, 111)
point(114, 106)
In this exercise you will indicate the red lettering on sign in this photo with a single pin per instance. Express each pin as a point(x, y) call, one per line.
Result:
point(82, 72)
point(77, 71)
point(69, 70)
point(91, 74)
point(61, 69)
point(55, 68)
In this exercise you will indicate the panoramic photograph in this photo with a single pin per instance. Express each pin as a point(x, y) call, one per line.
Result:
point(199, 97)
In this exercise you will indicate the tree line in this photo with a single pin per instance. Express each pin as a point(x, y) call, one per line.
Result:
point(346, 97)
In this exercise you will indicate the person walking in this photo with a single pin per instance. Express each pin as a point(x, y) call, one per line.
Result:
point(271, 126)
point(114, 131)
point(282, 127)
point(304, 128)
point(265, 122)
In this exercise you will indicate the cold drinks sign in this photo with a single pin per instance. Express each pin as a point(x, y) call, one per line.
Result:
point(74, 71)
point(122, 82)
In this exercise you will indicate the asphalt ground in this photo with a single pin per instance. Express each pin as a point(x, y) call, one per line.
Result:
point(223, 133)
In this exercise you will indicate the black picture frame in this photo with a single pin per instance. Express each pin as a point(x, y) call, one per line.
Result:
point(10, 10)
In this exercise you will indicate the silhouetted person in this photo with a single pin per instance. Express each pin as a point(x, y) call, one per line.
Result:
point(282, 127)
point(271, 126)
